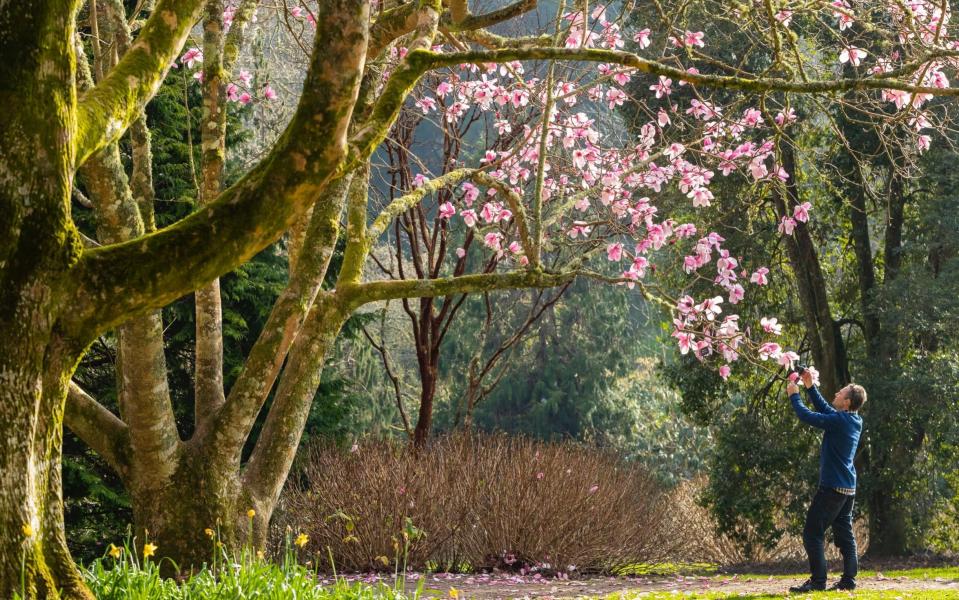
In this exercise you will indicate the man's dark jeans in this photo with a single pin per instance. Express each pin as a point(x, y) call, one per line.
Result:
point(830, 508)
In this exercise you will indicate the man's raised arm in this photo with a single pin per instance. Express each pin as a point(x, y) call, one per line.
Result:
point(814, 396)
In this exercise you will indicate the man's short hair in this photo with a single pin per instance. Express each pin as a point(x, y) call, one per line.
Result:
point(857, 396)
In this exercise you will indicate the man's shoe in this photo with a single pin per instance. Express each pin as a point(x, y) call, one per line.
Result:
point(843, 586)
point(809, 586)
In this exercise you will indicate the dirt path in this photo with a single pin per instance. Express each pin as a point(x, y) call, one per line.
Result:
point(489, 587)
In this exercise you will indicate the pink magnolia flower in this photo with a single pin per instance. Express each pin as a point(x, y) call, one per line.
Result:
point(785, 117)
point(493, 240)
point(770, 350)
point(724, 372)
point(852, 55)
point(469, 217)
point(694, 38)
point(784, 17)
point(615, 97)
point(245, 77)
point(923, 142)
point(426, 104)
point(191, 57)
point(711, 307)
point(642, 38)
point(759, 276)
point(460, 252)
point(472, 192)
point(787, 359)
point(269, 93)
point(674, 150)
point(446, 210)
point(771, 325)
point(245, 98)
point(701, 196)
point(801, 212)
point(814, 373)
point(418, 180)
point(662, 87)
point(685, 341)
point(787, 225)
point(736, 293)
point(614, 252)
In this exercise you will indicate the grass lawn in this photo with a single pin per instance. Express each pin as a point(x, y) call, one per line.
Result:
point(668, 569)
point(863, 595)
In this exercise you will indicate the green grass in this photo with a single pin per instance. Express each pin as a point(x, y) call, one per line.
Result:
point(122, 575)
point(670, 569)
point(863, 595)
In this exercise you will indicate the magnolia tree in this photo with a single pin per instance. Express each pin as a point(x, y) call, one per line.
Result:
point(560, 201)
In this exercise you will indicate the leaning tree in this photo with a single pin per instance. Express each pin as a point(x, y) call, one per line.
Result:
point(563, 192)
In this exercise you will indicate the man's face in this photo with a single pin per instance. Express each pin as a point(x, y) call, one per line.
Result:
point(841, 400)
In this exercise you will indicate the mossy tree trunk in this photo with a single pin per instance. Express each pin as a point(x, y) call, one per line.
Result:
point(56, 296)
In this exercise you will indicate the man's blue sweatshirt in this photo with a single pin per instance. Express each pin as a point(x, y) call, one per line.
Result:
point(839, 439)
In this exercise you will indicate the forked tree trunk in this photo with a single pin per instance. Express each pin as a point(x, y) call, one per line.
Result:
point(38, 244)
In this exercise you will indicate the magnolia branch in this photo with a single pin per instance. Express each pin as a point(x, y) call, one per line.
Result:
point(374, 291)
point(421, 61)
point(99, 428)
point(515, 202)
point(408, 201)
point(106, 111)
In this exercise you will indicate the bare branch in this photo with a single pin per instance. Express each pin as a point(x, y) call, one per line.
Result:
point(98, 428)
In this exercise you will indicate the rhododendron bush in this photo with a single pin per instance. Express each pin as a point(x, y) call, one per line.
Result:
point(549, 184)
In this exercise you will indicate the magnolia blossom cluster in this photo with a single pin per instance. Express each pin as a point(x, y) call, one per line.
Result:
point(600, 195)
point(239, 90)
point(589, 184)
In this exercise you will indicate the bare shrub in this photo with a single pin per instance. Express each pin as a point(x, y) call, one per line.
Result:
point(703, 543)
point(482, 501)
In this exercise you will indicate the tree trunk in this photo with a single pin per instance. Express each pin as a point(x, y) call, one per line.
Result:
point(827, 347)
point(200, 494)
point(38, 245)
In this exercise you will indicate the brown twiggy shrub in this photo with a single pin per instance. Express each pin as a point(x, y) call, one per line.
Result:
point(705, 544)
point(482, 501)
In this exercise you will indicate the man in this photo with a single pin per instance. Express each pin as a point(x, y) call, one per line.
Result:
point(832, 505)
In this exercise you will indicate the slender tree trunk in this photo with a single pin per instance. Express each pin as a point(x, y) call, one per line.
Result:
point(208, 375)
point(887, 462)
point(827, 346)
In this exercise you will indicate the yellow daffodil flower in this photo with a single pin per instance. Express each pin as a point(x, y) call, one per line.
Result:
point(209, 532)
point(301, 540)
point(149, 550)
point(115, 551)
point(251, 513)
point(454, 593)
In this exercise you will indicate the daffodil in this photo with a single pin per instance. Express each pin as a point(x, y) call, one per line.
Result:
point(115, 551)
point(454, 593)
point(251, 513)
point(209, 532)
point(27, 530)
point(301, 540)
point(149, 550)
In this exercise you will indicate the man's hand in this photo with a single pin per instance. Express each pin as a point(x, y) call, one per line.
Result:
point(791, 389)
point(807, 378)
